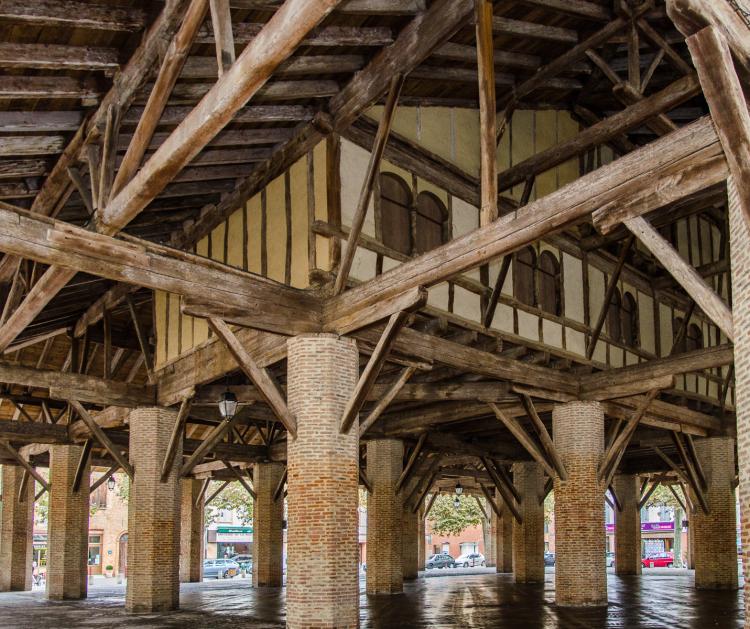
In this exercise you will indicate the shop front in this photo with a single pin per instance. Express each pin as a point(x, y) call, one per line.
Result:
point(227, 541)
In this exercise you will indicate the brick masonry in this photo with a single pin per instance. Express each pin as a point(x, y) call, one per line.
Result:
point(384, 517)
point(322, 484)
point(716, 532)
point(490, 550)
point(580, 543)
point(739, 247)
point(68, 526)
point(268, 522)
point(410, 543)
point(421, 538)
point(627, 525)
point(153, 515)
point(191, 531)
point(504, 537)
point(528, 536)
point(16, 532)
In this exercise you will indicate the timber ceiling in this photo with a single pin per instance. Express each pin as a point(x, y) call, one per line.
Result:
point(60, 59)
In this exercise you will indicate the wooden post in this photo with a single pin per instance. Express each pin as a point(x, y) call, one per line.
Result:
point(487, 112)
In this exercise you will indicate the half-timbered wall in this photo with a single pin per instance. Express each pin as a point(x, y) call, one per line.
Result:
point(273, 235)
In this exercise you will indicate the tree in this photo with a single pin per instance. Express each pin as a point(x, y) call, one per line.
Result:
point(447, 520)
point(234, 497)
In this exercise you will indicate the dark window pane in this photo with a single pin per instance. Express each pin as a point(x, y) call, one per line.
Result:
point(524, 280)
point(549, 283)
point(431, 216)
point(629, 320)
point(395, 209)
point(614, 327)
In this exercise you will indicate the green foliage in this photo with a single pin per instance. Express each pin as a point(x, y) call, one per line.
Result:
point(447, 520)
point(549, 507)
point(234, 498)
point(122, 487)
point(662, 497)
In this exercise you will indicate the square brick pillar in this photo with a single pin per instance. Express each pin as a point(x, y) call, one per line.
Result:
point(421, 539)
point(16, 531)
point(153, 514)
point(580, 536)
point(504, 537)
point(490, 539)
point(322, 484)
point(68, 526)
point(528, 536)
point(268, 526)
point(385, 462)
point(627, 525)
point(191, 532)
point(739, 250)
point(410, 543)
point(716, 532)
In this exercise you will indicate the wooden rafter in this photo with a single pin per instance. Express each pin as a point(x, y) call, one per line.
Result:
point(487, 112)
point(518, 431)
point(104, 478)
point(83, 461)
point(692, 475)
point(411, 463)
point(385, 400)
point(221, 23)
point(176, 437)
point(502, 488)
point(258, 375)
point(102, 438)
point(10, 450)
point(239, 477)
point(547, 443)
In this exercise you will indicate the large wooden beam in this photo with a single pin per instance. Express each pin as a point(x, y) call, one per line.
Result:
point(385, 400)
point(33, 432)
point(258, 376)
point(72, 14)
point(102, 437)
point(544, 437)
point(221, 23)
point(726, 100)
point(14, 454)
point(487, 112)
point(160, 268)
point(573, 202)
point(703, 295)
point(515, 428)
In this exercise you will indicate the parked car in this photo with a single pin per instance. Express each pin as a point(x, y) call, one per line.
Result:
point(441, 560)
point(610, 559)
point(220, 568)
point(549, 558)
point(244, 561)
point(659, 560)
point(470, 559)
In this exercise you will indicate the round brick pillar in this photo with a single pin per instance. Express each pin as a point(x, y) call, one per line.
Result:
point(16, 531)
point(68, 526)
point(715, 533)
point(528, 535)
point(322, 484)
point(268, 526)
point(580, 542)
point(627, 525)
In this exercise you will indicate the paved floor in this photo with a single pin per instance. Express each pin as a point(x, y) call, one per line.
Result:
point(655, 601)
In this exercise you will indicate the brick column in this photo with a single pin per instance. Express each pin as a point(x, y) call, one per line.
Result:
point(580, 538)
point(490, 550)
point(385, 458)
point(716, 532)
point(739, 249)
point(504, 537)
point(528, 536)
point(68, 526)
point(191, 532)
point(421, 538)
point(410, 543)
point(16, 532)
point(268, 523)
point(627, 525)
point(322, 484)
point(153, 515)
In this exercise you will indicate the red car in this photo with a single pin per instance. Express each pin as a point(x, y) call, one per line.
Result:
point(661, 560)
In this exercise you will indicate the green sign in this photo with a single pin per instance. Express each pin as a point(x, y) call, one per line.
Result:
point(234, 529)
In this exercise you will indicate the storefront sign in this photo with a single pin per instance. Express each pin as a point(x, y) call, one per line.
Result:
point(234, 534)
point(649, 527)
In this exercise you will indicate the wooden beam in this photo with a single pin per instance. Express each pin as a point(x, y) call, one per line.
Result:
point(140, 334)
point(685, 274)
point(501, 487)
point(642, 502)
point(101, 17)
point(365, 481)
point(385, 400)
point(673, 466)
point(555, 211)
point(487, 112)
point(221, 488)
point(57, 57)
point(33, 432)
point(102, 437)
point(701, 475)
point(544, 436)
point(103, 478)
point(578, 8)
point(490, 499)
point(171, 66)
point(371, 371)
point(14, 454)
point(612, 457)
point(627, 389)
point(692, 475)
point(613, 279)
point(83, 461)
point(258, 375)
point(726, 100)
point(176, 438)
point(278, 492)
point(411, 463)
point(240, 478)
point(515, 428)
point(489, 312)
point(221, 22)
point(208, 444)
point(373, 170)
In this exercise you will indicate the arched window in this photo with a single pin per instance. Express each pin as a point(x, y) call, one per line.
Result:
point(431, 218)
point(629, 320)
point(549, 283)
point(614, 327)
point(693, 338)
point(395, 213)
point(524, 276)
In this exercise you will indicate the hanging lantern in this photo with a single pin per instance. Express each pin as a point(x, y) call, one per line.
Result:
point(111, 483)
point(459, 488)
point(228, 404)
